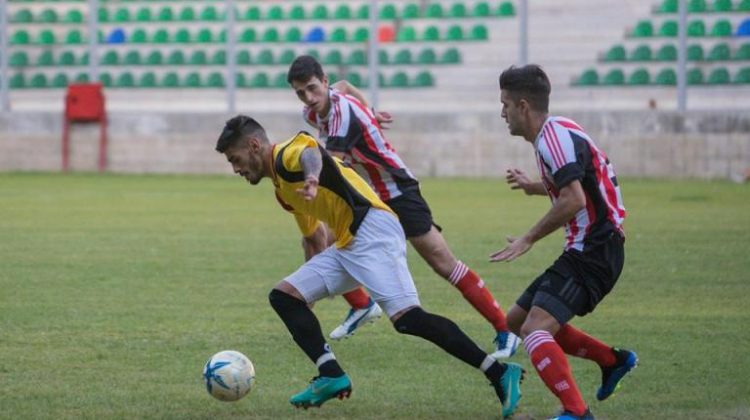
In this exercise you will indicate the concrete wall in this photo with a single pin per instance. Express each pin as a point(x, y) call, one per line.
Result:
point(640, 143)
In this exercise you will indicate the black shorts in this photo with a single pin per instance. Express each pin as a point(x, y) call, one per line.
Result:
point(413, 213)
point(577, 281)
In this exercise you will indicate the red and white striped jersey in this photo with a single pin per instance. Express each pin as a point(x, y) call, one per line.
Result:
point(350, 128)
point(565, 153)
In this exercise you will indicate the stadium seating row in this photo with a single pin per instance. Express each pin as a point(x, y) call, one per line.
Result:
point(265, 56)
point(695, 28)
point(293, 34)
point(212, 80)
point(665, 77)
point(668, 52)
point(276, 12)
point(702, 6)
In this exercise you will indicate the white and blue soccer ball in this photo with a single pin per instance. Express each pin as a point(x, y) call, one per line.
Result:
point(229, 375)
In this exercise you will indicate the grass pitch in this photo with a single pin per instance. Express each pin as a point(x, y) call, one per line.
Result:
point(114, 290)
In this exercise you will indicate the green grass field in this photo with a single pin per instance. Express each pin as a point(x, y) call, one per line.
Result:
point(114, 290)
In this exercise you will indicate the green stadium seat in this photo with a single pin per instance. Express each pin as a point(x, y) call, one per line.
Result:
point(287, 57)
point(215, 80)
point(147, 80)
point(264, 57)
point(338, 34)
point(222, 37)
point(666, 77)
point(667, 52)
point(457, 10)
point(722, 6)
point(719, 52)
point(364, 11)
point(399, 80)
point(410, 11)
point(47, 16)
point(697, 6)
point(695, 77)
point(434, 11)
point(320, 12)
point(171, 80)
point(361, 34)
point(67, 58)
point(696, 28)
point(313, 53)
point(45, 59)
point(383, 57)
point(17, 81)
point(743, 6)
point(742, 76)
point(19, 59)
point(641, 53)
point(132, 58)
point(165, 14)
point(402, 57)
point(506, 9)
point(357, 57)
point(46, 37)
point(82, 78)
point(271, 35)
point(20, 37)
point(154, 58)
point(38, 81)
point(427, 56)
point(388, 11)
point(73, 37)
point(293, 34)
point(719, 76)
point(481, 9)
point(722, 28)
point(424, 79)
point(252, 13)
point(615, 54)
point(22, 16)
point(204, 36)
point(243, 57)
point(275, 13)
point(588, 78)
point(125, 80)
point(695, 52)
point(239, 80)
point(668, 6)
point(198, 58)
point(342, 12)
point(297, 12)
point(743, 53)
point(143, 15)
point(102, 15)
point(614, 77)
point(121, 15)
point(139, 36)
point(219, 57)
point(259, 80)
point(209, 14)
point(187, 14)
point(182, 36)
point(644, 29)
point(109, 58)
point(355, 79)
point(176, 58)
point(73, 16)
point(639, 77)
point(334, 57)
point(248, 35)
point(193, 80)
point(279, 81)
point(432, 33)
point(479, 33)
point(669, 28)
point(451, 56)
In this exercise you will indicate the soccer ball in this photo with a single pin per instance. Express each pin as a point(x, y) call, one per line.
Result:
point(229, 375)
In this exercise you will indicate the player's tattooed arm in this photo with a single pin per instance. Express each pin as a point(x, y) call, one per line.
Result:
point(312, 163)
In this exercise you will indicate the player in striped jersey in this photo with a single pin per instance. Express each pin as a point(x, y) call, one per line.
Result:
point(350, 131)
point(369, 250)
point(580, 180)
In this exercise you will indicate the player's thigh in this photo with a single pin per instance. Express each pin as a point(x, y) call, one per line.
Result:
point(322, 276)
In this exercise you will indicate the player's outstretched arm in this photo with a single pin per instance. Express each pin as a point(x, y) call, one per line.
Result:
point(518, 180)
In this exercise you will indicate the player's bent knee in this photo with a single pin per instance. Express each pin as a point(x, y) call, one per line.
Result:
point(410, 321)
point(282, 301)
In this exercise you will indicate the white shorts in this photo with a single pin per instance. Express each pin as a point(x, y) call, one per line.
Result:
point(375, 258)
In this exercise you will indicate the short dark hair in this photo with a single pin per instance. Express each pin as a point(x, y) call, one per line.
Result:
point(303, 68)
point(237, 128)
point(528, 82)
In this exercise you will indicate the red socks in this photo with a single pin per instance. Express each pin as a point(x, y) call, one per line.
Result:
point(357, 298)
point(473, 290)
point(577, 343)
point(549, 360)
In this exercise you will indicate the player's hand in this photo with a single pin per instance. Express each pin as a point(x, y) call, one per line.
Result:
point(383, 118)
point(310, 189)
point(519, 180)
point(516, 247)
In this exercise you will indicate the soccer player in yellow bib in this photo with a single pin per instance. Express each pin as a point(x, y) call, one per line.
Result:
point(370, 250)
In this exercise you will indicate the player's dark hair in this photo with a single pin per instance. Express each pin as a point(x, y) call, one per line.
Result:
point(237, 128)
point(303, 68)
point(528, 82)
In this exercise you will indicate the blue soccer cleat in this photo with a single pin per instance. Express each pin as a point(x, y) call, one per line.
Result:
point(322, 389)
point(509, 387)
point(506, 344)
point(611, 376)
